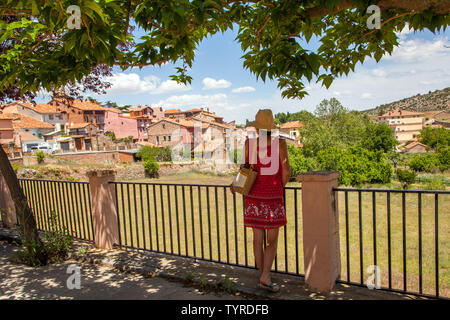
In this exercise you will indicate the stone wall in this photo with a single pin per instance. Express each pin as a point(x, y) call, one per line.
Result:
point(79, 157)
point(133, 171)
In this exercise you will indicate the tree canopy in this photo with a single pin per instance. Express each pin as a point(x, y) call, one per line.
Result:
point(435, 138)
point(333, 125)
point(39, 50)
point(302, 116)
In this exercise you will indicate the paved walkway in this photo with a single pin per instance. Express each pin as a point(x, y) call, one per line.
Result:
point(103, 279)
point(96, 282)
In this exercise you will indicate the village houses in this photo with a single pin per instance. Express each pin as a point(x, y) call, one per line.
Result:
point(406, 124)
point(7, 134)
point(71, 125)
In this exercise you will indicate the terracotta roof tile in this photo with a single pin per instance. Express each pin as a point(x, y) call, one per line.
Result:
point(27, 136)
point(413, 144)
point(79, 125)
point(139, 108)
point(23, 122)
point(46, 108)
point(223, 125)
point(112, 109)
point(86, 105)
point(397, 113)
point(173, 111)
point(291, 124)
point(6, 116)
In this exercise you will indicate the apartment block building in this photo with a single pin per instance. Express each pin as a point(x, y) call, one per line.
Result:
point(405, 124)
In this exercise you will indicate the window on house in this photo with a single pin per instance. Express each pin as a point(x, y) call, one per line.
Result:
point(164, 126)
point(170, 138)
point(164, 138)
point(157, 140)
point(50, 116)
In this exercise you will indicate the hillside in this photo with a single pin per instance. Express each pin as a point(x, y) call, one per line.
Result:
point(436, 100)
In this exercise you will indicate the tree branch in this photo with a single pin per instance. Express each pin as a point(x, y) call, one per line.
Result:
point(87, 30)
point(140, 65)
point(390, 19)
point(36, 45)
point(157, 26)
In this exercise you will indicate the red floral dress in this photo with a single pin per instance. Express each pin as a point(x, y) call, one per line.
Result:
point(264, 208)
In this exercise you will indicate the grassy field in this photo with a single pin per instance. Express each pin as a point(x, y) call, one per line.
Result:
point(171, 219)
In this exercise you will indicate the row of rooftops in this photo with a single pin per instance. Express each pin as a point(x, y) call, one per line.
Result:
point(59, 105)
point(408, 113)
point(56, 105)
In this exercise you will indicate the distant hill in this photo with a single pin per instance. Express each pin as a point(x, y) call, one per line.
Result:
point(436, 100)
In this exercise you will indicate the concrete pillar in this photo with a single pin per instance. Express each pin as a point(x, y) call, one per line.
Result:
point(7, 208)
point(320, 229)
point(104, 211)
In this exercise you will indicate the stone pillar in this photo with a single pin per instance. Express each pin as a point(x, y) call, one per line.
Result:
point(320, 229)
point(7, 208)
point(104, 211)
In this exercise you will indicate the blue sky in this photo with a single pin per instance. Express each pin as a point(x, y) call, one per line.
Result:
point(421, 63)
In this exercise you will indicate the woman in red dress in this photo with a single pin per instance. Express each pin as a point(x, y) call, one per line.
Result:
point(264, 209)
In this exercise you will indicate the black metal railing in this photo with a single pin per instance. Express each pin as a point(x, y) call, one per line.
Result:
point(68, 200)
point(398, 231)
point(200, 221)
point(402, 232)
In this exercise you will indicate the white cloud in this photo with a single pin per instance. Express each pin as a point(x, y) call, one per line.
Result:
point(379, 73)
point(405, 31)
point(216, 102)
point(191, 100)
point(210, 83)
point(418, 50)
point(132, 83)
point(367, 95)
point(243, 90)
point(170, 86)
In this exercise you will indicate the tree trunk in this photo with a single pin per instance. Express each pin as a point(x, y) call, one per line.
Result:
point(28, 228)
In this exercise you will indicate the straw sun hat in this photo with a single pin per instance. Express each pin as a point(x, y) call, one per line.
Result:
point(264, 120)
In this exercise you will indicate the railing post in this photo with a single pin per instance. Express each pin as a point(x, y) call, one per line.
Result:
point(320, 229)
point(104, 211)
point(7, 208)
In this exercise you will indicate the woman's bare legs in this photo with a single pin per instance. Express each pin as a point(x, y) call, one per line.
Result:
point(258, 251)
point(269, 255)
point(264, 256)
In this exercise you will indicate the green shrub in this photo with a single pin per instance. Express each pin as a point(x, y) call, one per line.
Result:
point(435, 184)
point(424, 162)
point(444, 159)
point(55, 245)
point(151, 168)
point(15, 166)
point(111, 134)
point(40, 156)
point(356, 165)
point(299, 163)
point(406, 176)
point(154, 153)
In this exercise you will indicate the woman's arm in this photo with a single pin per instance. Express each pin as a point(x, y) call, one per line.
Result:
point(285, 166)
point(245, 159)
